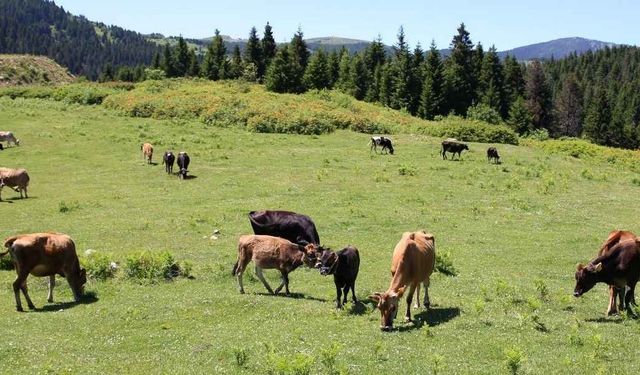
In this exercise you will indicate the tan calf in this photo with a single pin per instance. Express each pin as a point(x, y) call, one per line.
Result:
point(269, 252)
point(147, 152)
point(413, 261)
point(16, 179)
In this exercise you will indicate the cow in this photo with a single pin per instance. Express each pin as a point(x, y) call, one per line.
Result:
point(492, 154)
point(344, 266)
point(614, 238)
point(453, 146)
point(619, 266)
point(9, 138)
point(45, 254)
point(16, 179)
point(413, 261)
point(147, 152)
point(1, 147)
point(285, 224)
point(381, 141)
point(183, 164)
point(168, 159)
point(270, 252)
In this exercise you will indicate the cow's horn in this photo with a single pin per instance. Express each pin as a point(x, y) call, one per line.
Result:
point(598, 267)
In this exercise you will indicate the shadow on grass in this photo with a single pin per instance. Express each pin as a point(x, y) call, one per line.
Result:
point(358, 308)
point(603, 319)
point(293, 296)
point(87, 299)
point(432, 318)
point(190, 177)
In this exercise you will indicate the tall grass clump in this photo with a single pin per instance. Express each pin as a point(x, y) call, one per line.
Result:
point(148, 266)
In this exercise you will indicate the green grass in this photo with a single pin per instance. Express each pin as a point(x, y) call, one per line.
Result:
point(513, 233)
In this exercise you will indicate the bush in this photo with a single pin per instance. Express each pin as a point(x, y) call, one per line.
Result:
point(152, 267)
point(6, 263)
point(444, 264)
point(538, 134)
point(99, 266)
point(483, 112)
point(469, 131)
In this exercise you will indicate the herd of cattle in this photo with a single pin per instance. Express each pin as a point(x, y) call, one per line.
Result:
point(285, 240)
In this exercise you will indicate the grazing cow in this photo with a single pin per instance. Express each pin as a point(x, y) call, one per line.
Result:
point(453, 146)
point(45, 254)
point(619, 266)
point(168, 159)
point(269, 252)
point(16, 179)
point(381, 141)
point(613, 239)
point(344, 266)
point(183, 164)
point(9, 138)
point(147, 152)
point(413, 261)
point(285, 224)
point(1, 147)
point(492, 154)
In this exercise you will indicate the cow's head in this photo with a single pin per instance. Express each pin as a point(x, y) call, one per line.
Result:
point(310, 253)
point(586, 278)
point(387, 303)
point(77, 283)
point(183, 173)
point(327, 262)
point(465, 147)
point(390, 148)
point(17, 142)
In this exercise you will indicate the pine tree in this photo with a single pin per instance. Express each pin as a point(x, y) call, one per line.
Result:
point(431, 97)
point(316, 76)
point(478, 60)
point(568, 109)
point(236, 65)
point(513, 80)
point(168, 64)
point(343, 83)
point(194, 65)
point(269, 46)
point(538, 96)
point(386, 84)
point(107, 73)
point(406, 89)
point(358, 77)
point(333, 67)
point(520, 119)
point(459, 74)
point(598, 117)
point(214, 66)
point(299, 50)
point(418, 58)
point(253, 52)
point(278, 74)
point(155, 63)
point(491, 83)
point(181, 58)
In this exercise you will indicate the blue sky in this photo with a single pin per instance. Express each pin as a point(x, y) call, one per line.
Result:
point(506, 24)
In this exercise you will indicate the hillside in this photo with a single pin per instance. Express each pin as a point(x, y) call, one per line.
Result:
point(557, 49)
point(41, 27)
point(16, 70)
point(547, 211)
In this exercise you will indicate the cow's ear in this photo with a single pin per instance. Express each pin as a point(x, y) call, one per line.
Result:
point(375, 297)
point(597, 267)
point(579, 267)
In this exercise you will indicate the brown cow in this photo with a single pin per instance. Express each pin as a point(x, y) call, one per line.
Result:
point(614, 238)
point(272, 252)
point(16, 179)
point(413, 261)
point(147, 152)
point(45, 254)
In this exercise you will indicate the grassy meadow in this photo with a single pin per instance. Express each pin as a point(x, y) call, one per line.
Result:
point(513, 232)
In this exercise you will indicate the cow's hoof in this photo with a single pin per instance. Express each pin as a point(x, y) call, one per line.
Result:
point(407, 319)
point(612, 312)
point(242, 291)
point(50, 300)
point(31, 307)
point(19, 309)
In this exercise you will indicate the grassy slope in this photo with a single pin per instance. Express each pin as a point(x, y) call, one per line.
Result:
point(31, 70)
point(506, 226)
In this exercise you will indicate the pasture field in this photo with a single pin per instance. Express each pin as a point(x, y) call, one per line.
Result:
point(513, 232)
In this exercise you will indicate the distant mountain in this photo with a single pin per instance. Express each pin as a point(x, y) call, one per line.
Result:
point(556, 49)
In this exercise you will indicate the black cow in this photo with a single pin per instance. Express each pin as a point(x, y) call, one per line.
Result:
point(1, 148)
point(183, 164)
point(492, 154)
point(381, 141)
point(618, 267)
point(168, 159)
point(294, 227)
point(344, 266)
point(453, 147)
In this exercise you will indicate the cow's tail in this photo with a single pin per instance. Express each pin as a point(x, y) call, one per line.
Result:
point(235, 268)
point(7, 243)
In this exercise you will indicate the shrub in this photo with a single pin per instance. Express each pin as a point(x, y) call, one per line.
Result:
point(241, 356)
point(514, 359)
point(538, 134)
point(444, 264)
point(149, 266)
point(470, 131)
point(298, 364)
point(6, 263)
point(483, 112)
point(407, 170)
point(154, 74)
point(99, 266)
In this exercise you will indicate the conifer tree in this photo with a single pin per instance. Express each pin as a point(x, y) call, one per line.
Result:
point(316, 76)
point(568, 109)
point(236, 65)
point(194, 65)
point(431, 97)
point(538, 96)
point(253, 52)
point(168, 64)
point(459, 73)
point(343, 83)
point(299, 50)
point(520, 119)
point(181, 58)
point(598, 117)
point(406, 91)
point(278, 74)
point(155, 63)
point(333, 67)
point(513, 79)
point(214, 66)
point(269, 46)
point(358, 77)
point(386, 84)
point(491, 83)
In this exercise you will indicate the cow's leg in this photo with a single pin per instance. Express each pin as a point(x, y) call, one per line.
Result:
point(345, 293)
point(353, 292)
point(16, 291)
point(417, 303)
point(338, 296)
point(261, 277)
point(427, 302)
point(412, 289)
point(52, 284)
point(239, 273)
point(611, 309)
point(628, 297)
point(25, 192)
point(285, 283)
point(26, 294)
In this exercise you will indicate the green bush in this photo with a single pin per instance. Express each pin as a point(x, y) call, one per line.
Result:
point(99, 266)
point(6, 263)
point(147, 266)
point(483, 112)
point(469, 131)
point(444, 264)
